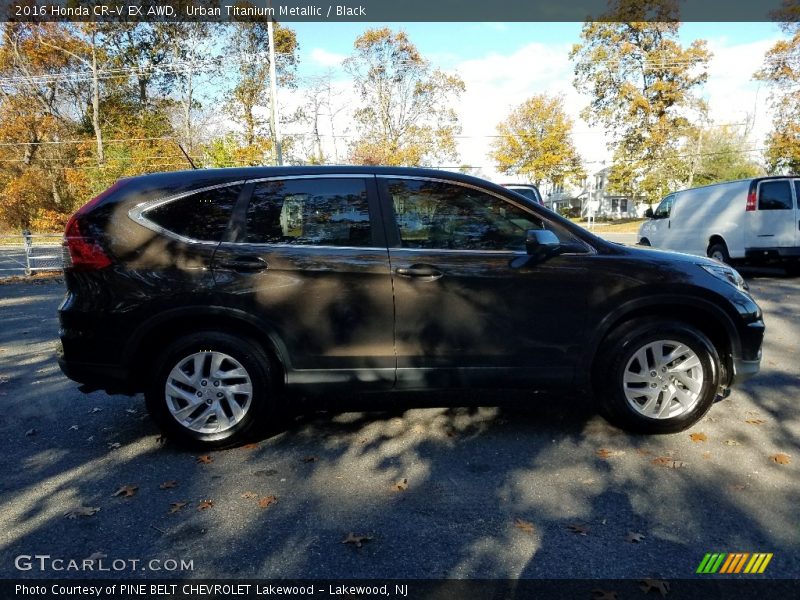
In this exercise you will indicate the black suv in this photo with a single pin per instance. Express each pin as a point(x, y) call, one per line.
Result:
point(217, 292)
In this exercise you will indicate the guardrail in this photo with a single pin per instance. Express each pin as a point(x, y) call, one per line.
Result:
point(30, 253)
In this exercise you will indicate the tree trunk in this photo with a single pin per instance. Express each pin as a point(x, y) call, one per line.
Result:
point(96, 104)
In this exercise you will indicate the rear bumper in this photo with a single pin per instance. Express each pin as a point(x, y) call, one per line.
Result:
point(776, 253)
point(112, 378)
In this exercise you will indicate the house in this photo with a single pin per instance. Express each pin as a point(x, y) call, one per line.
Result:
point(610, 206)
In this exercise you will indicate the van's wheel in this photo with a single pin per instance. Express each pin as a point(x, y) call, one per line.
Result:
point(792, 268)
point(659, 377)
point(719, 251)
point(644, 242)
point(210, 388)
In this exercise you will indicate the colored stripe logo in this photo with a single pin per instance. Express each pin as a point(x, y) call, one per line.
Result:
point(734, 562)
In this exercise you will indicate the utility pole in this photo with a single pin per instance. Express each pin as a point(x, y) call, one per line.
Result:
point(273, 94)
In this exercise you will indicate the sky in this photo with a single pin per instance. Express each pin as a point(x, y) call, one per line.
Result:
point(502, 64)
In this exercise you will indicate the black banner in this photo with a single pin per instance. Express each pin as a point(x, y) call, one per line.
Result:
point(711, 588)
point(388, 11)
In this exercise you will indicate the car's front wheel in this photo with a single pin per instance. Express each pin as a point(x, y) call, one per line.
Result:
point(660, 377)
point(210, 388)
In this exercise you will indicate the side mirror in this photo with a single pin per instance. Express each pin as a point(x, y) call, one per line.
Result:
point(649, 214)
point(541, 243)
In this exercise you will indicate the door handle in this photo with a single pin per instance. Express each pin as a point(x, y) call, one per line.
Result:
point(244, 264)
point(423, 272)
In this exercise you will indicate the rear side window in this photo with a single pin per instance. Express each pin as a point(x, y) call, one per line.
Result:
point(775, 195)
point(203, 216)
point(316, 212)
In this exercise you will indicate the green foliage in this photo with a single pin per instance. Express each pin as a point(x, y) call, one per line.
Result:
point(720, 157)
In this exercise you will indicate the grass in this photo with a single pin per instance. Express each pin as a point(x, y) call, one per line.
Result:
point(618, 226)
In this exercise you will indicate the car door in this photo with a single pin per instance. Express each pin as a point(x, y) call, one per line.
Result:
point(470, 307)
point(307, 258)
point(660, 225)
point(773, 224)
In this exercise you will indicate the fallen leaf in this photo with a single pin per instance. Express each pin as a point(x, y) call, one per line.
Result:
point(309, 459)
point(698, 437)
point(30, 432)
point(205, 459)
point(205, 504)
point(402, 485)
point(267, 501)
point(113, 445)
point(176, 506)
point(578, 529)
point(781, 458)
point(73, 428)
point(96, 409)
point(604, 595)
point(644, 451)
point(357, 540)
point(707, 455)
point(659, 585)
point(634, 537)
point(82, 511)
point(755, 421)
point(669, 462)
point(168, 485)
point(738, 487)
point(252, 446)
point(249, 495)
point(732, 443)
point(126, 491)
point(525, 526)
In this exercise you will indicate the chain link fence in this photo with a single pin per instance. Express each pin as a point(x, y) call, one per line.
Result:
point(29, 253)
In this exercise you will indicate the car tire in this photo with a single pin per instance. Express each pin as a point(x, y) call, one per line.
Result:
point(644, 242)
point(663, 396)
point(719, 251)
point(211, 389)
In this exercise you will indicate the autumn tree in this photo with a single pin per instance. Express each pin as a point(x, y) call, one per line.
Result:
point(406, 115)
point(781, 71)
point(249, 43)
point(721, 155)
point(535, 142)
point(642, 82)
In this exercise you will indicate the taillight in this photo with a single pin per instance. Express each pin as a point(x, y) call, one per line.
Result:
point(751, 201)
point(80, 251)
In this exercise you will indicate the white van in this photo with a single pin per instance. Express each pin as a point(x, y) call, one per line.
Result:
point(755, 219)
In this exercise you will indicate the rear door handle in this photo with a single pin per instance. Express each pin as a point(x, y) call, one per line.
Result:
point(244, 264)
point(423, 272)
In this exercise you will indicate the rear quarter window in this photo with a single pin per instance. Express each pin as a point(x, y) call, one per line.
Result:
point(775, 195)
point(203, 216)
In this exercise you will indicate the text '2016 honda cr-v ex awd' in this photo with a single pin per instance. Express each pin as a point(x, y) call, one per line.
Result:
point(219, 292)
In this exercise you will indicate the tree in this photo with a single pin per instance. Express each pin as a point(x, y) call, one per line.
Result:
point(249, 42)
point(781, 71)
point(535, 141)
point(642, 82)
point(720, 157)
point(405, 116)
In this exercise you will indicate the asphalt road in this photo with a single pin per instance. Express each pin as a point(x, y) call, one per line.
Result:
point(520, 491)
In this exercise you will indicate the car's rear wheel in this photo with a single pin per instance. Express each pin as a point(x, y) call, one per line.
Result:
point(719, 251)
point(660, 377)
point(211, 388)
point(644, 242)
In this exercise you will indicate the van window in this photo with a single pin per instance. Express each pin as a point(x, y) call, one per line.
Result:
point(775, 195)
point(665, 208)
point(797, 191)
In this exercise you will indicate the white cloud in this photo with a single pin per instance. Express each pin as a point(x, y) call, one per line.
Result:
point(326, 59)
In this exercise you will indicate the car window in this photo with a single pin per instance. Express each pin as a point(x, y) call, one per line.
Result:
point(439, 215)
point(527, 192)
point(665, 208)
point(797, 191)
point(317, 211)
point(775, 195)
point(203, 216)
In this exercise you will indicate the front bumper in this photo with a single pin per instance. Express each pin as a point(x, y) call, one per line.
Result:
point(745, 369)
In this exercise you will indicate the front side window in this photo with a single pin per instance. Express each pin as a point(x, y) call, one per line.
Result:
point(203, 216)
point(317, 211)
point(437, 215)
point(665, 208)
point(775, 195)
